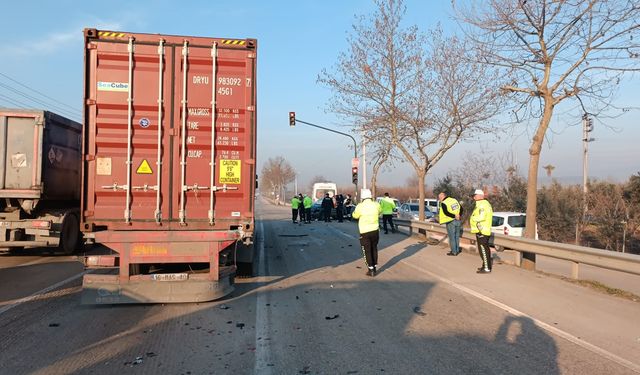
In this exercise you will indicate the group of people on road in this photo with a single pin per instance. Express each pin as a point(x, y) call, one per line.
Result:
point(479, 221)
point(367, 212)
point(301, 208)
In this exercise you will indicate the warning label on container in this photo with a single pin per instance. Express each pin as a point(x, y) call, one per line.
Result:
point(113, 86)
point(230, 172)
point(144, 168)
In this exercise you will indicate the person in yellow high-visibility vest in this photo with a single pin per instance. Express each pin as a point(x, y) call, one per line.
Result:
point(480, 222)
point(449, 214)
point(367, 213)
point(388, 205)
point(295, 203)
point(307, 202)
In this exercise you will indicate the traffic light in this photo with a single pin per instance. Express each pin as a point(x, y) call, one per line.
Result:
point(354, 175)
point(292, 119)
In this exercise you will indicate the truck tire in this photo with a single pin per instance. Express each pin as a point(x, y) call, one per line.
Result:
point(70, 234)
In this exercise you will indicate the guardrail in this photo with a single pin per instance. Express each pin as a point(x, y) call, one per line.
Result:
point(577, 255)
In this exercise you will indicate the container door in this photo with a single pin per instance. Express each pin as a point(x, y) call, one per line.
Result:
point(217, 87)
point(131, 88)
point(20, 139)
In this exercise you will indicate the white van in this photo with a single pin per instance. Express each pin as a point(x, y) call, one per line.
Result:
point(321, 188)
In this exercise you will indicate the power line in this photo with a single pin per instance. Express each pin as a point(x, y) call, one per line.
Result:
point(36, 100)
point(13, 102)
point(38, 92)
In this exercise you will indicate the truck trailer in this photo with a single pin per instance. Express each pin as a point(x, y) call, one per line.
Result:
point(40, 159)
point(169, 165)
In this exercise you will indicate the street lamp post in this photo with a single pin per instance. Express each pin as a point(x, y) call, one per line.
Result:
point(292, 123)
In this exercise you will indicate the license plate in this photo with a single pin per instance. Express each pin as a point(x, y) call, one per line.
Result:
point(170, 277)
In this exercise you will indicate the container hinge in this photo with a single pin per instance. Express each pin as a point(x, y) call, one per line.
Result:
point(251, 108)
point(89, 157)
point(115, 187)
point(92, 45)
point(90, 102)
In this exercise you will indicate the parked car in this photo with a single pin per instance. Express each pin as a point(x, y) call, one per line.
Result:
point(316, 211)
point(409, 211)
point(509, 224)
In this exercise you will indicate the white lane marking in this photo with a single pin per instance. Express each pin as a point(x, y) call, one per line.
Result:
point(40, 292)
point(263, 349)
point(343, 233)
point(565, 335)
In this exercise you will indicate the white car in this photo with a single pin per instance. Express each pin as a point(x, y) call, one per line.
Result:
point(509, 224)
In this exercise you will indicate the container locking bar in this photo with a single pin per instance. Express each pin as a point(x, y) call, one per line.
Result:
point(158, 211)
point(127, 210)
point(183, 161)
point(212, 163)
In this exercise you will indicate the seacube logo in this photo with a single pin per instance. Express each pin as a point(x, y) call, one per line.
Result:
point(113, 86)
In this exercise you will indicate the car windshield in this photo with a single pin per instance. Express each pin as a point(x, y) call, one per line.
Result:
point(413, 207)
point(517, 221)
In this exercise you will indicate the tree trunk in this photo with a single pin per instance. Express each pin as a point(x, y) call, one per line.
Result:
point(529, 259)
point(421, 194)
point(374, 176)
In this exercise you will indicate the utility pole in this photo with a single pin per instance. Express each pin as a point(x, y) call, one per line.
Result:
point(587, 127)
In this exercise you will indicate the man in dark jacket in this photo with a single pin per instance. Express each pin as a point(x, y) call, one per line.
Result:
point(327, 206)
point(339, 207)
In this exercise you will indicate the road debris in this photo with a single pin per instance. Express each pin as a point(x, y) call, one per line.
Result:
point(332, 317)
point(418, 311)
point(54, 324)
point(240, 325)
point(223, 307)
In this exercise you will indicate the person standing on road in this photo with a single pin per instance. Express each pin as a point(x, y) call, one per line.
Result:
point(367, 213)
point(348, 206)
point(295, 204)
point(388, 205)
point(339, 207)
point(307, 202)
point(327, 206)
point(301, 208)
point(450, 211)
point(480, 222)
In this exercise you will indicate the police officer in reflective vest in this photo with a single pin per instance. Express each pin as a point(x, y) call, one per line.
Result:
point(480, 222)
point(367, 213)
point(388, 205)
point(295, 203)
point(307, 202)
point(449, 213)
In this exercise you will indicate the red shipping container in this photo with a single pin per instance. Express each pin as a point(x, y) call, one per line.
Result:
point(169, 150)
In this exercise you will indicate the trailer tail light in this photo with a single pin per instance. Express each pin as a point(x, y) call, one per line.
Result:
point(41, 224)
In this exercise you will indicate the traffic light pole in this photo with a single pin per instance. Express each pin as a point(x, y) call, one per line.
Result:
point(355, 144)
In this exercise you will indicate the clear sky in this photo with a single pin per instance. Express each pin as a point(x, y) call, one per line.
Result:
point(41, 47)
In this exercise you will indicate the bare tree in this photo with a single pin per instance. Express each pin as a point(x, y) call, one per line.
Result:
point(555, 51)
point(277, 173)
point(422, 95)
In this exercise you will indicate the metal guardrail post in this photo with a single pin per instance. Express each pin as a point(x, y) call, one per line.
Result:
point(575, 269)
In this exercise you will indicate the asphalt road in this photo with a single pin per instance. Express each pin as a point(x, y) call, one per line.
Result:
point(313, 311)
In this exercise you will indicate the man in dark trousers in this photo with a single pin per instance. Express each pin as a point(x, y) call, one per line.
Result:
point(339, 207)
point(480, 222)
point(367, 213)
point(449, 215)
point(327, 206)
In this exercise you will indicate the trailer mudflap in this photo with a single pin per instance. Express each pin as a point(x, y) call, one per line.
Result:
point(107, 289)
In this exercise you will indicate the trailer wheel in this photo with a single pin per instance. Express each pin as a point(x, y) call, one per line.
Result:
point(70, 234)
